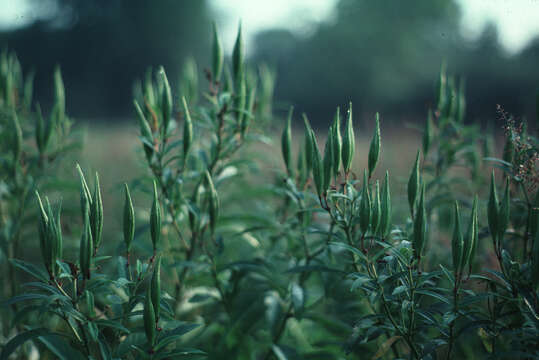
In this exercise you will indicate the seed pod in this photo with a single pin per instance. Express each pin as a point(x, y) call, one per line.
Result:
point(85, 195)
point(385, 218)
point(286, 141)
point(492, 211)
point(328, 161)
point(129, 219)
point(427, 134)
point(217, 55)
point(308, 145)
point(96, 215)
point(374, 151)
point(166, 102)
point(504, 212)
point(156, 288)
point(348, 143)
point(301, 167)
point(155, 218)
point(457, 244)
point(337, 143)
point(471, 237)
point(365, 206)
point(413, 183)
point(249, 110)
point(59, 95)
point(318, 171)
point(86, 247)
point(240, 98)
point(149, 318)
point(18, 140)
point(420, 225)
point(213, 201)
point(44, 241)
point(187, 130)
point(475, 241)
point(376, 209)
point(237, 56)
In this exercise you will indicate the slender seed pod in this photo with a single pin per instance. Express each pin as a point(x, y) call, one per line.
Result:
point(471, 237)
point(217, 55)
point(413, 183)
point(237, 56)
point(365, 206)
point(18, 140)
point(149, 318)
point(51, 239)
point(337, 143)
point(85, 195)
point(328, 160)
point(286, 141)
point(308, 145)
point(59, 95)
point(457, 243)
point(318, 171)
point(187, 130)
point(475, 241)
point(374, 151)
point(420, 225)
point(129, 219)
point(156, 288)
point(427, 134)
point(240, 99)
point(385, 218)
point(145, 132)
point(44, 243)
point(96, 214)
point(504, 212)
point(166, 102)
point(213, 201)
point(86, 247)
point(155, 218)
point(348, 144)
point(301, 167)
point(492, 211)
point(376, 209)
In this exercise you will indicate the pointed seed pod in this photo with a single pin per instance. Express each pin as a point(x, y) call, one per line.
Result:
point(328, 161)
point(492, 211)
point(155, 218)
point(86, 247)
point(420, 225)
point(374, 151)
point(427, 134)
point(156, 288)
point(337, 143)
point(365, 206)
point(149, 318)
point(308, 145)
point(457, 243)
point(385, 218)
point(96, 214)
point(217, 55)
point(348, 143)
point(166, 102)
point(318, 171)
point(129, 219)
point(44, 242)
point(213, 201)
point(504, 212)
point(475, 241)
point(471, 237)
point(187, 130)
point(286, 142)
point(376, 209)
point(413, 183)
point(238, 56)
point(85, 195)
point(59, 95)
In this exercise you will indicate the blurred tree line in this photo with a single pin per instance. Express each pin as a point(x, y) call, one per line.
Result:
point(383, 55)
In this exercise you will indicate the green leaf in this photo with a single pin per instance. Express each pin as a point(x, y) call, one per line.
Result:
point(30, 269)
point(20, 339)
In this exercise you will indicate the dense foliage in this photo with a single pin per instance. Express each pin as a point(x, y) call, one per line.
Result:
point(232, 259)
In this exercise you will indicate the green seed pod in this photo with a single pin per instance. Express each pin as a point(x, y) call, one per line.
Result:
point(376, 209)
point(318, 170)
point(492, 211)
point(156, 288)
point(129, 219)
point(374, 151)
point(457, 243)
point(427, 134)
point(385, 218)
point(365, 206)
point(504, 212)
point(349, 143)
point(301, 167)
point(155, 218)
point(213, 201)
point(187, 130)
point(166, 102)
point(238, 56)
point(59, 95)
point(442, 97)
point(85, 195)
point(149, 318)
point(475, 241)
point(471, 237)
point(86, 247)
point(413, 183)
point(96, 215)
point(328, 160)
point(286, 141)
point(217, 55)
point(420, 225)
point(337, 143)
point(18, 140)
point(308, 145)
point(44, 242)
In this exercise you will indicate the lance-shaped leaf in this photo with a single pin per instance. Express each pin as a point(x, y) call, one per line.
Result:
point(149, 318)
point(420, 225)
point(413, 183)
point(155, 218)
point(374, 151)
point(348, 143)
point(385, 218)
point(365, 206)
point(213, 201)
point(492, 211)
point(427, 134)
point(238, 56)
point(166, 101)
point(187, 130)
point(286, 142)
point(217, 55)
point(129, 219)
point(308, 145)
point(457, 243)
point(504, 212)
point(96, 214)
point(156, 288)
point(376, 209)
